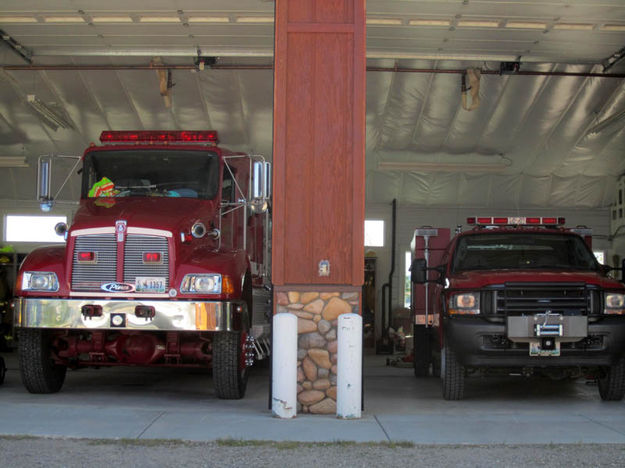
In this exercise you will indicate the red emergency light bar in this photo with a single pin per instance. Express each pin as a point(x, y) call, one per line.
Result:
point(159, 136)
point(515, 221)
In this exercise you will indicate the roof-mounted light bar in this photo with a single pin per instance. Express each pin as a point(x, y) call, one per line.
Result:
point(515, 221)
point(159, 136)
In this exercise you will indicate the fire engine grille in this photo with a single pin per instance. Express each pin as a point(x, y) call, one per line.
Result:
point(89, 276)
point(529, 298)
point(136, 246)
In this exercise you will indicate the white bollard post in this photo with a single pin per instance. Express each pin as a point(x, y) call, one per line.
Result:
point(349, 367)
point(284, 366)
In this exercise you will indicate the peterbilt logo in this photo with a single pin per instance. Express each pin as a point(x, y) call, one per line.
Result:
point(117, 287)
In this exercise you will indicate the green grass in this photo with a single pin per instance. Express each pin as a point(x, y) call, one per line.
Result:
point(292, 445)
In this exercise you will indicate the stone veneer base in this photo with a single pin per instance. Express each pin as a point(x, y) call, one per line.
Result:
point(317, 317)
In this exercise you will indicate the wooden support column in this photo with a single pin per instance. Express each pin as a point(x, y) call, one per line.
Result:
point(319, 180)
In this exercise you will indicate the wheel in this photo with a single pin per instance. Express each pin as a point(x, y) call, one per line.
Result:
point(452, 375)
point(229, 370)
point(40, 374)
point(421, 351)
point(612, 385)
point(3, 370)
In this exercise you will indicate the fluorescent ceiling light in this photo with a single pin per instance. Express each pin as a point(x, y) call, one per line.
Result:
point(50, 116)
point(613, 27)
point(385, 21)
point(208, 19)
point(445, 163)
point(429, 22)
point(111, 19)
point(18, 19)
point(574, 27)
point(255, 19)
point(13, 161)
point(159, 19)
point(63, 19)
point(525, 25)
point(478, 24)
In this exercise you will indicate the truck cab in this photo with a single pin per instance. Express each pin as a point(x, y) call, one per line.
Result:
point(166, 253)
point(519, 296)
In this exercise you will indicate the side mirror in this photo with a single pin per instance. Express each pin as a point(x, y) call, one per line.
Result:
point(418, 271)
point(261, 186)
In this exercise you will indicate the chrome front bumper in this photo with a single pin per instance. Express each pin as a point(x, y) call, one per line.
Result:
point(122, 315)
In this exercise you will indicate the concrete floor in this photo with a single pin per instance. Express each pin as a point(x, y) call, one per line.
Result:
point(180, 404)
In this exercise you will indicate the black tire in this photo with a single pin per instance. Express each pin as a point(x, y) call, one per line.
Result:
point(3, 370)
point(229, 374)
point(612, 384)
point(452, 375)
point(421, 351)
point(40, 374)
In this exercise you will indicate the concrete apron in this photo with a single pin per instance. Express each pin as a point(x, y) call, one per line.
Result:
point(139, 403)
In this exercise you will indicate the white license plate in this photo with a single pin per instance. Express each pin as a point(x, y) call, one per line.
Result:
point(151, 284)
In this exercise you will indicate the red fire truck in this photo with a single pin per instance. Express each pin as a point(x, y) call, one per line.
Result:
point(165, 263)
point(516, 295)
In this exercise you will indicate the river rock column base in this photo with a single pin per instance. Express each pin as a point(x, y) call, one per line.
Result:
point(317, 320)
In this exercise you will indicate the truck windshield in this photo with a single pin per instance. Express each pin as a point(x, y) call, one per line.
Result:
point(494, 251)
point(148, 173)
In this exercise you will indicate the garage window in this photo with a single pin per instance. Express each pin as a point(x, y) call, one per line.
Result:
point(407, 289)
point(19, 228)
point(374, 233)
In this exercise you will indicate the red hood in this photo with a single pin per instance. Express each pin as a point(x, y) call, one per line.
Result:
point(165, 213)
point(479, 279)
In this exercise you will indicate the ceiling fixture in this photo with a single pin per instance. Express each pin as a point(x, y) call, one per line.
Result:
point(111, 19)
point(429, 22)
point(13, 161)
point(384, 21)
point(63, 19)
point(478, 24)
point(52, 117)
point(208, 19)
point(255, 19)
point(447, 163)
point(525, 25)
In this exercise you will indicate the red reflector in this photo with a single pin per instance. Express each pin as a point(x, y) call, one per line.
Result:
point(159, 136)
point(500, 220)
point(86, 256)
point(484, 220)
point(532, 220)
point(550, 221)
point(470, 220)
point(151, 257)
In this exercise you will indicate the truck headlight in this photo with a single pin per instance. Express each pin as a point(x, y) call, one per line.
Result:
point(464, 303)
point(40, 281)
point(614, 303)
point(201, 283)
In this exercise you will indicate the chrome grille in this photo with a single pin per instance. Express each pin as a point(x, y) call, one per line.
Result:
point(531, 298)
point(136, 246)
point(90, 276)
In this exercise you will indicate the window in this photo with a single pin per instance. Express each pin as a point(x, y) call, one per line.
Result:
point(600, 256)
point(374, 233)
point(407, 283)
point(19, 228)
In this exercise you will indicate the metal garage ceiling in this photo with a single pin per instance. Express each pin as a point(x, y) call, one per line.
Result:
point(542, 140)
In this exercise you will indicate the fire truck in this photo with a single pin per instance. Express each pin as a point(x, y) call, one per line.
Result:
point(516, 296)
point(165, 263)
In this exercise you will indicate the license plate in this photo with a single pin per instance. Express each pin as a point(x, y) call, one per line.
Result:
point(150, 284)
point(536, 349)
